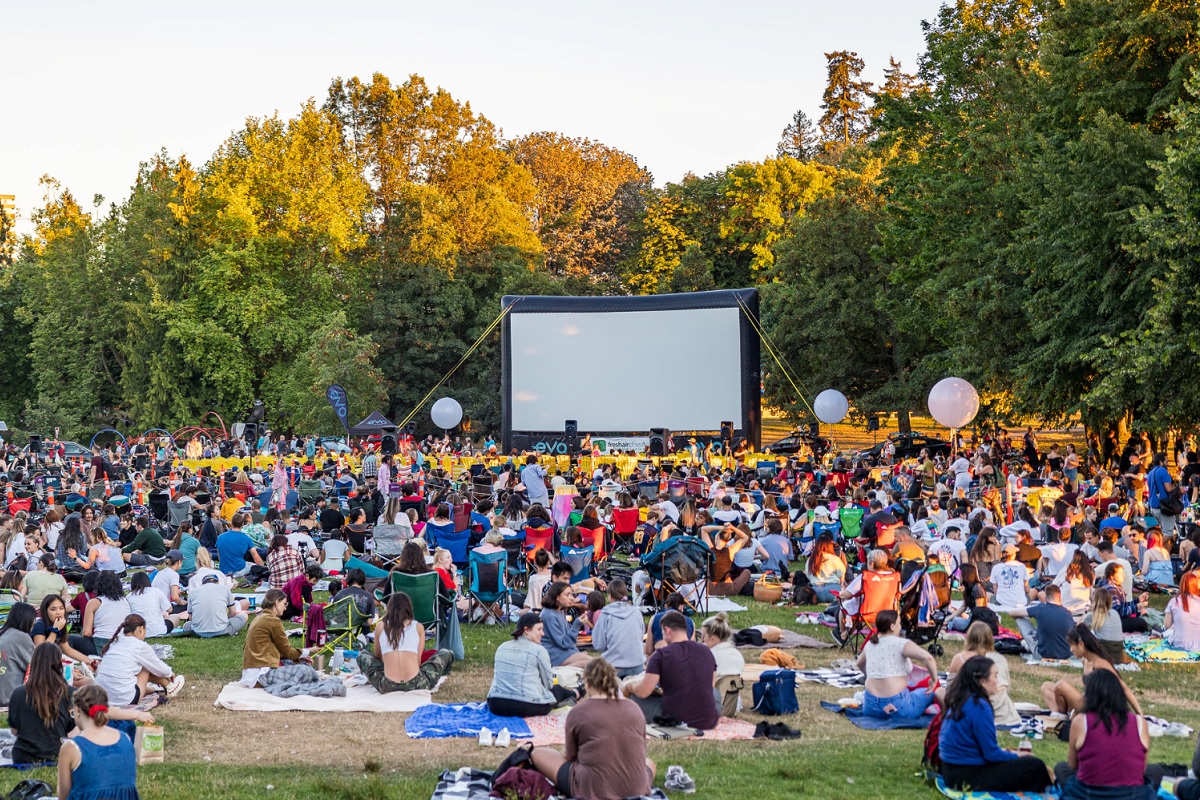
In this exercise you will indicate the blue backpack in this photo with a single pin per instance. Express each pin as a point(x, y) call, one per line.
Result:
point(775, 693)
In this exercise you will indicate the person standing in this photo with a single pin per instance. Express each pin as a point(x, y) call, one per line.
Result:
point(1161, 487)
point(533, 475)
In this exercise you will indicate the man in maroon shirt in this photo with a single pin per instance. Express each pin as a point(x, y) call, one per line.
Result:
point(686, 671)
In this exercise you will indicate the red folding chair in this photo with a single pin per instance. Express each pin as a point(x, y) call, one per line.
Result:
point(538, 539)
point(625, 525)
point(599, 539)
point(880, 592)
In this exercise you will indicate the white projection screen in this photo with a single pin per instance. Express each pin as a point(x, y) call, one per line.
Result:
point(624, 365)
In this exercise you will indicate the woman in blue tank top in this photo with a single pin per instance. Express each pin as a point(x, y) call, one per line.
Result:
point(99, 763)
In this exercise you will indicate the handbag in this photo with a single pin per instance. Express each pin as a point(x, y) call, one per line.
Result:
point(450, 637)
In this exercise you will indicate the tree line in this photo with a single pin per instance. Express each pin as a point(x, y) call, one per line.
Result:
point(1022, 210)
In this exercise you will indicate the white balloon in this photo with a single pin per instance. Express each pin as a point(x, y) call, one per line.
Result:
point(831, 406)
point(446, 413)
point(953, 402)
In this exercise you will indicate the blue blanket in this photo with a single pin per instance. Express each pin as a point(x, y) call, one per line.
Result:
point(1053, 794)
point(860, 719)
point(438, 721)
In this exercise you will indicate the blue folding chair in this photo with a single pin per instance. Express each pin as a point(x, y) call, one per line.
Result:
point(580, 560)
point(489, 585)
point(514, 547)
point(457, 543)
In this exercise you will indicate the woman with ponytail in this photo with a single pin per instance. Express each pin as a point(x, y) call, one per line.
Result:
point(100, 761)
point(1061, 697)
point(40, 711)
point(605, 753)
point(128, 666)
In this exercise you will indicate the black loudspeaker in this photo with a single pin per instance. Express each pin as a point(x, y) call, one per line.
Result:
point(814, 429)
point(658, 441)
point(250, 434)
point(35, 443)
point(388, 444)
point(727, 432)
point(225, 448)
point(872, 423)
point(571, 433)
point(411, 429)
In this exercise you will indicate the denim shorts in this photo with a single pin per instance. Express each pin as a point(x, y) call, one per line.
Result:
point(910, 704)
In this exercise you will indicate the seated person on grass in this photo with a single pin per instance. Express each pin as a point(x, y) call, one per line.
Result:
point(605, 748)
point(356, 582)
point(39, 712)
point(128, 666)
point(1061, 697)
point(967, 742)
point(267, 646)
point(561, 636)
point(212, 611)
point(686, 671)
point(299, 592)
point(396, 662)
point(654, 633)
point(886, 661)
point(1049, 638)
point(523, 681)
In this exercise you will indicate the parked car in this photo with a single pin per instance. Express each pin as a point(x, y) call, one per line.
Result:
point(70, 449)
point(333, 444)
point(794, 441)
point(909, 445)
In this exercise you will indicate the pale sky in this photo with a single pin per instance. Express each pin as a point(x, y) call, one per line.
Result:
point(93, 88)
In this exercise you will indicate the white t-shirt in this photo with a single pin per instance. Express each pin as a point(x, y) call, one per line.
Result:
point(1058, 555)
point(299, 538)
point(1185, 625)
point(120, 666)
point(335, 553)
point(1009, 578)
point(949, 553)
point(670, 509)
point(537, 585)
point(150, 605)
point(408, 640)
point(1127, 582)
point(164, 580)
point(962, 472)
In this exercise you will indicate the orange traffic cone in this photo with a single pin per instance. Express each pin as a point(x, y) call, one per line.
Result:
point(49, 495)
point(107, 488)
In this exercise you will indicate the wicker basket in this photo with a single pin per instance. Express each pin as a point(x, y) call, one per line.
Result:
point(768, 589)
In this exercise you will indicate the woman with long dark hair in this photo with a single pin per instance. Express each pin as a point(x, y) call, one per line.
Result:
point(71, 538)
point(40, 711)
point(395, 662)
point(826, 569)
point(1106, 751)
point(16, 648)
point(974, 596)
point(105, 613)
point(1061, 696)
point(52, 627)
point(886, 660)
point(967, 743)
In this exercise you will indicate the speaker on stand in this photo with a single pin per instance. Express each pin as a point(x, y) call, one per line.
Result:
point(571, 431)
point(727, 436)
point(658, 441)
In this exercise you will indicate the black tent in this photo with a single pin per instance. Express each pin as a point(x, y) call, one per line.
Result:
point(375, 422)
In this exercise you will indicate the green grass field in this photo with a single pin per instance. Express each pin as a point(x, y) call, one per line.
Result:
point(217, 753)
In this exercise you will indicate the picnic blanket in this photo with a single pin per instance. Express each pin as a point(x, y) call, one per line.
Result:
point(1159, 652)
point(958, 794)
point(552, 730)
point(861, 720)
point(236, 697)
point(790, 639)
point(446, 721)
point(466, 783)
point(716, 604)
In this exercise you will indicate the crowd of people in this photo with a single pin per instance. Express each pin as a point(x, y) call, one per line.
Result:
point(1070, 547)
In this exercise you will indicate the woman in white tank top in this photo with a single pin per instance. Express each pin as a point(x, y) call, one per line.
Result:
point(105, 612)
point(394, 664)
point(887, 661)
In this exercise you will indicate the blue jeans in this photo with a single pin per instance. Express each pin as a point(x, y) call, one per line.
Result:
point(910, 704)
point(826, 592)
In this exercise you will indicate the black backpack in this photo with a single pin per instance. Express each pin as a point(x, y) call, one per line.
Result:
point(1171, 503)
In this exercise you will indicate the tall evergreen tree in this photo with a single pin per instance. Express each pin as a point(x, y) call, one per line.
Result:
point(845, 101)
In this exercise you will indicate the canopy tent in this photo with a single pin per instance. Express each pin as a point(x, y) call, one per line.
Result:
point(375, 422)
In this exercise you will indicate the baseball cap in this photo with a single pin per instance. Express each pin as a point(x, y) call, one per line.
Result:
point(525, 622)
point(174, 555)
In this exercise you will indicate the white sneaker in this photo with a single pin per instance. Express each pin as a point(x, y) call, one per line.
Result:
point(503, 738)
point(679, 781)
point(485, 737)
point(175, 686)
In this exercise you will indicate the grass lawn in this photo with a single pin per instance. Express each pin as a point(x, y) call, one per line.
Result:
point(217, 753)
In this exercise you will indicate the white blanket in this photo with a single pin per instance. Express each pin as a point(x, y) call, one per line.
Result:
point(236, 697)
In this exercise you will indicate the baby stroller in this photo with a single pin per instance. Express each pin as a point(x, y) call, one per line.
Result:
point(925, 604)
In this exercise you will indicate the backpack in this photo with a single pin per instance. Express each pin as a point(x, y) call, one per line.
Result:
point(523, 784)
point(931, 759)
point(1171, 503)
point(775, 693)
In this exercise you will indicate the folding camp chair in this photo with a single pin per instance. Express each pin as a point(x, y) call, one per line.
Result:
point(178, 513)
point(454, 541)
point(390, 541)
point(309, 492)
point(880, 592)
point(428, 602)
point(681, 564)
point(580, 559)
point(514, 546)
point(488, 587)
point(462, 516)
point(851, 518)
point(344, 621)
point(625, 524)
point(8, 599)
point(599, 540)
point(538, 539)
